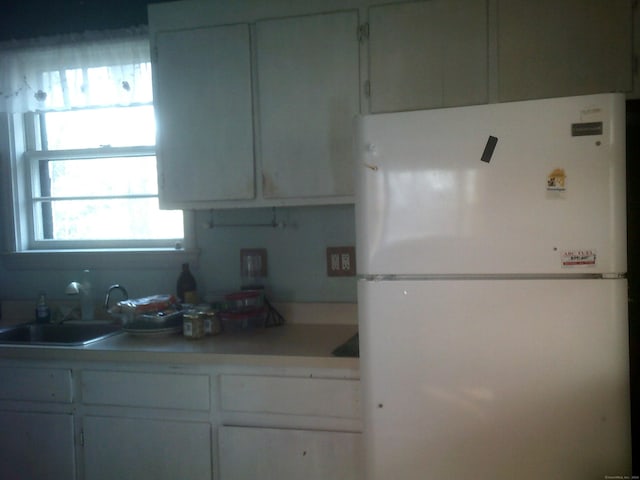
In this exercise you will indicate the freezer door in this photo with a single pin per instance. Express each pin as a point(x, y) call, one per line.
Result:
point(523, 187)
point(495, 379)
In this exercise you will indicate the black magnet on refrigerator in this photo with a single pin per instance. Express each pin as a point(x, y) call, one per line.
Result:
point(489, 148)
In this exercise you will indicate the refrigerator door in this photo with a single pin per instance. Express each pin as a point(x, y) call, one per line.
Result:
point(495, 379)
point(434, 197)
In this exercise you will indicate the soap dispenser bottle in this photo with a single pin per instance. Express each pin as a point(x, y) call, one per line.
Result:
point(43, 312)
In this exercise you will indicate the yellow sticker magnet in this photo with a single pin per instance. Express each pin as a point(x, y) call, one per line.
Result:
point(557, 181)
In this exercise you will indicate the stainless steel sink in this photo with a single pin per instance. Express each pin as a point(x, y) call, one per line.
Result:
point(76, 334)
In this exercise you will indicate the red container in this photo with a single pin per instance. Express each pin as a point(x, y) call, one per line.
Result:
point(233, 322)
point(248, 300)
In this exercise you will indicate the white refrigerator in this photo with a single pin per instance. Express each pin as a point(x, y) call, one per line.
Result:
point(491, 252)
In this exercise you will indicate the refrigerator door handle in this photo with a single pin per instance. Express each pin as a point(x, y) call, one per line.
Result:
point(371, 167)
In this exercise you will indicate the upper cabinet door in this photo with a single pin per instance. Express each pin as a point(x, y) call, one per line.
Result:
point(204, 115)
point(551, 48)
point(428, 54)
point(308, 95)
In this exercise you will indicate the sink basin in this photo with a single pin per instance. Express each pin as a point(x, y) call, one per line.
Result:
point(66, 334)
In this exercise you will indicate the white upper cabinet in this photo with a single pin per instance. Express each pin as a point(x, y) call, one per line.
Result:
point(635, 93)
point(255, 100)
point(203, 100)
point(428, 54)
point(551, 48)
point(308, 95)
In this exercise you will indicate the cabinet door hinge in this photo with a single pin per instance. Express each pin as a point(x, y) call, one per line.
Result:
point(363, 32)
point(367, 88)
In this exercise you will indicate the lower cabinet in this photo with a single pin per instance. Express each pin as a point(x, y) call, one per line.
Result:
point(289, 428)
point(146, 449)
point(247, 453)
point(73, 420)
point(36, 446)
point(36, 423)
point(152, 429)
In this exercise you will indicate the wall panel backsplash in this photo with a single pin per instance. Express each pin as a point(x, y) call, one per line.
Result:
point(296, 259)
point(296, 251)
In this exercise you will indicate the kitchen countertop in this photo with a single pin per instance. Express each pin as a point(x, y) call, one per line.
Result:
point(289, 345)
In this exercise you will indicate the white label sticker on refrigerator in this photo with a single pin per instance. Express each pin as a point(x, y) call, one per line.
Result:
point(579, 258)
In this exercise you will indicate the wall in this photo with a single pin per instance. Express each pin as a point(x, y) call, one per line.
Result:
point(296, 259)
point(33, 18)
point(296, 254)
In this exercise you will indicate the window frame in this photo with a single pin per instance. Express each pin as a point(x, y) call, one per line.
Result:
point(34, 153)
point(15, 251)
point(17, 159)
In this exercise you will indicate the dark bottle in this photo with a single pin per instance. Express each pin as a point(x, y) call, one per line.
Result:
point(186, 287)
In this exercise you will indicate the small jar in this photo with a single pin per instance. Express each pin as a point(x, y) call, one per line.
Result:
point(211, 323)
point(210, 319)
point(193, 324)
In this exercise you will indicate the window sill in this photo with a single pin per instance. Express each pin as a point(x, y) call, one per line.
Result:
point(98, 259)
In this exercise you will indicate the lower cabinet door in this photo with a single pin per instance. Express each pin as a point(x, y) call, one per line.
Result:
point(144, 449)
point(36, 446)
point(248, 453)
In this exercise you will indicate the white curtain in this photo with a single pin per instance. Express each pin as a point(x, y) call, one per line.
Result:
point(76, 71)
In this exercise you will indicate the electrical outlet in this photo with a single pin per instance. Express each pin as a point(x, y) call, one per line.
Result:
point(341, 261)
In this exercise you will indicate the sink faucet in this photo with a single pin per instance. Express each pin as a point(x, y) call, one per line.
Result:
point(111, 289)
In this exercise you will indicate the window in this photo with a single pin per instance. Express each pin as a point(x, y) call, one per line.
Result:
point(87, 168)
point(93, 180)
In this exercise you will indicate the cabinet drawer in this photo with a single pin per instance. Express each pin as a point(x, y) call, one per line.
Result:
point(151, 390)
point(36, 384)
point(247, 453)
point(291, 396)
